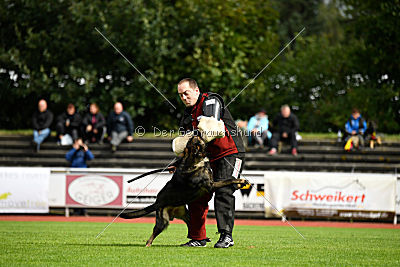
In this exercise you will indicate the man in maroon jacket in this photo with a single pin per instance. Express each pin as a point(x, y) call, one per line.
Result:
point(226, 155)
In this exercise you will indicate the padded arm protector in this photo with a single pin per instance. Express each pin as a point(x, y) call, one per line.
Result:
point(179, 143)
point(213, 106)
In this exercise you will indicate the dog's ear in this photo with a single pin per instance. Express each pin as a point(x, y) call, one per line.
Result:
point(186, 150)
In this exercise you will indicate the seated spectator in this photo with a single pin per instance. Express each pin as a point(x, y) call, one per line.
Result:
point(371, 134)
point(41, 121)
point(355, 128)
point(68, 123)
point(93, 125)
point(242, 125)
point(258, 129)
point(285, 125)
point(79, 154)
point(119, 126)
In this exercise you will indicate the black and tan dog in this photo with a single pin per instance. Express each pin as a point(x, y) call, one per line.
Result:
point(191, 180)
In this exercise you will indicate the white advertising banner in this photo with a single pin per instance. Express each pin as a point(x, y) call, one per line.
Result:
point(24, 190)
point(334, 195)
point(94, 190)
point(143, 192)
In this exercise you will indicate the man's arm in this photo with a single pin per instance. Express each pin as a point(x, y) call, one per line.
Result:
point(34, 121)
point(264, 124)
point(213, 107)
point(251, 124)
point(348, 127)
point(101, 121)
point(296, 124)
point(49, 119)
point(77, 120)
point(130, 123)
point(89, 155)
point(275, 123)
point(109, 123)
point(86, 119)
point(70, 155)
point(363, 127)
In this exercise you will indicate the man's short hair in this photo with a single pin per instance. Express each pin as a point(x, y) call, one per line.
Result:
point(192, 83)
point(355, 110)
point(285, 106)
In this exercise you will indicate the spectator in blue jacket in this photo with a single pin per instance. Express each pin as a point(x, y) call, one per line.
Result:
point(79, 154)
point(41, 121)
point(258, 129)
point(355, 128)
point(119, 126)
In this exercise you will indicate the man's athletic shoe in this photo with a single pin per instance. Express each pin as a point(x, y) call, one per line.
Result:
point(196, 243)
point(225, 241)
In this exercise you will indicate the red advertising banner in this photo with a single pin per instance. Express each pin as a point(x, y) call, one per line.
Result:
point(94, 190)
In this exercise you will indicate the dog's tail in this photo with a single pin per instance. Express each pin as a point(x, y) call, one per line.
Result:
point(140, 213)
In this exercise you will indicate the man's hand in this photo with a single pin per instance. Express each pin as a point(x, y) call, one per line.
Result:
point(85, 147)
point(95, 131)
point(172, 169)
point(284, 135)
point(67, 123)
point(129, 138)
point(89, 128)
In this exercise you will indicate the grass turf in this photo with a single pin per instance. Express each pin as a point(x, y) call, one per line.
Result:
point(74, 243)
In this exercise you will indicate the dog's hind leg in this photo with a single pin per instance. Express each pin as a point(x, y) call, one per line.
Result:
point(162, 222)
point(182, 213)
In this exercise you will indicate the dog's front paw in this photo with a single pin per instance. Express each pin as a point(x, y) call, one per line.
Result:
point(242, 184)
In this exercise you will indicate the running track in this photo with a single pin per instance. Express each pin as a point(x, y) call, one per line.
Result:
point(47, 218)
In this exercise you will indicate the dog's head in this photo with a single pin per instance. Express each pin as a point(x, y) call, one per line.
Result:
point(195, 148)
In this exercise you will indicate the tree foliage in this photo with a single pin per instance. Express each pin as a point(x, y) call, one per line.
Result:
point(345, 58)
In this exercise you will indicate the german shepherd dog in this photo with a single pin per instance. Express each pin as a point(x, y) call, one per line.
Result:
point(192, 179)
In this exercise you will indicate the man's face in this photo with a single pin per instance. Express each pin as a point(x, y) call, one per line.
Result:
point(71, 110)
point(42, 106)
point(355, 115)
point(188, 95)
point(93, 109)
point(118, 108)
point(285, 112)
point(261, 114)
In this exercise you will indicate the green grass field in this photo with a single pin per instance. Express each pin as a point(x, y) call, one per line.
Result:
point(74, 243)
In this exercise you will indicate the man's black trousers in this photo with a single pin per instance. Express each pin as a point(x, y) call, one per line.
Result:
point(228, 167)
